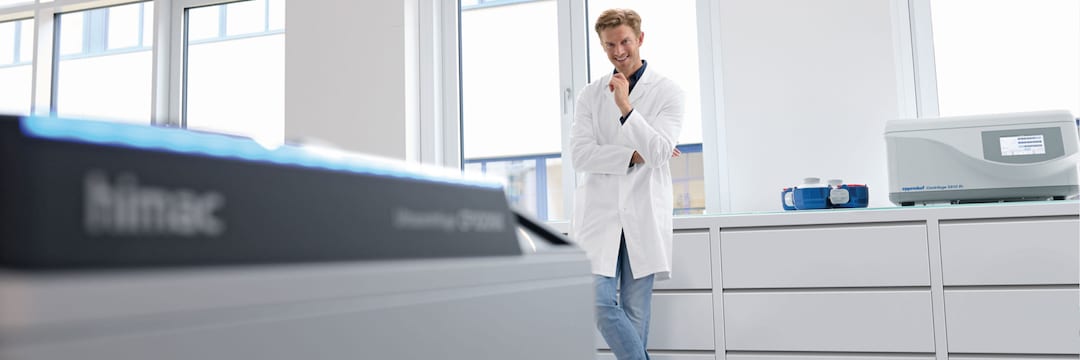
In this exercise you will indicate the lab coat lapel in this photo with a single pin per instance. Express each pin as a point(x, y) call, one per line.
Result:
point(642, 87)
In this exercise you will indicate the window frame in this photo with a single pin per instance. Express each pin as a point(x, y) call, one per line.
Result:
point(95, 33)
point(920, 59)
point(166, 46)
point(18, 57)
point(18, 29)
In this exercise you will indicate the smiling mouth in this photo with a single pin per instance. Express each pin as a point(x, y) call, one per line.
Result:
point(622, 59)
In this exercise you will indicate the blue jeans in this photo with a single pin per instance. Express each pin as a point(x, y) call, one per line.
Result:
point(624, 320)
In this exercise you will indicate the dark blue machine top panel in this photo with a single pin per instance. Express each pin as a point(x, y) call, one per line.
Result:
point(83, 195)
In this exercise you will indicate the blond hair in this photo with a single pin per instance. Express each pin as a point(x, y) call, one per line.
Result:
point(613, 18)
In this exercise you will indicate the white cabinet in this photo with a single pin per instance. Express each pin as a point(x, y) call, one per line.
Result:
point(744, 356)
point(655, 356)
point(982, 263)
point(1005, 357)
point(857, 321)
point(874, 282)
point(682, 307)
point(682, 322)
point(974, 282)
point(691, 262)
point(1016, 321)
point(1010, 252)
point(679, 322)
point(825, 256)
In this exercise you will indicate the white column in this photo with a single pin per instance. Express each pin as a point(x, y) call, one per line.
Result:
point(349, 77)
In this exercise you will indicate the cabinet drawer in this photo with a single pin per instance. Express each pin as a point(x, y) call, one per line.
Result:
point(1024, 321)
point(863, 321)
point(609, 356)
point(824, 357)
point(1010, 252)
point(690, 267)
point(834, 256)
point(1002, 357)
point(679, 322)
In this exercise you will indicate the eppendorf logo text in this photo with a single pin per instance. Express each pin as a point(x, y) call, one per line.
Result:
point(124, 207)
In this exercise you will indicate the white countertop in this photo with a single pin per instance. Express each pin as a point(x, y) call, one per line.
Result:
point(871, 215)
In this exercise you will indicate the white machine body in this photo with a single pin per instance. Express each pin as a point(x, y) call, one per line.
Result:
point(983, 158)
point(537, 306)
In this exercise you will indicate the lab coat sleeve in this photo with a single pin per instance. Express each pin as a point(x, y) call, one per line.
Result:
point(586, 150)
point(655, 139)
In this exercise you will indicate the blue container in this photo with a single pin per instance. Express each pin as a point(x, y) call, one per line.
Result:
point(849, 196)
point(787, 199)
point(811, 198)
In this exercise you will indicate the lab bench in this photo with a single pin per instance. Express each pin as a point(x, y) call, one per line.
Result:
point(974, 281)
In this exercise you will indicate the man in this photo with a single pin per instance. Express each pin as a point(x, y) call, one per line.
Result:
point(625, 130)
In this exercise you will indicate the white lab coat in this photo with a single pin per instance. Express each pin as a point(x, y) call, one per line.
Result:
point(610, 195)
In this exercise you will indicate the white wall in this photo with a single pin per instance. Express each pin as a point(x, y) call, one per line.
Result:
point(347, 77)
point(808, 86)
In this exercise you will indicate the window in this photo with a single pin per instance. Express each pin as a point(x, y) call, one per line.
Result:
point(512, 116)
point(16, 54)
point(511, 110)
point(229, 57)
point(670, 47)
point(1006, 55)
point(235, 69)
point(104, 64)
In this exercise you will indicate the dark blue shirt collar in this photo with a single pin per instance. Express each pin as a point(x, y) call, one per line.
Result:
point(636, 75)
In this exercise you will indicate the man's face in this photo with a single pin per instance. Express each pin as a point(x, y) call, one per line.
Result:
point(621, 45)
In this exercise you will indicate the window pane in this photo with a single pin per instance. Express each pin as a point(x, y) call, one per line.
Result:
point(670, 47)
point(520, 181)
point(555, 206)
point(511, 96)
point(14, 79)
point(277, 14)
point(26, 42)
point(996, 56)
point(7, 43)
point(203, 23)
point(101, 85)
point(245, 17)
point(124, 26)
point(473, 168)
point(71, 33)
point(688, 182)
point(237, 86)
point(148, 24)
